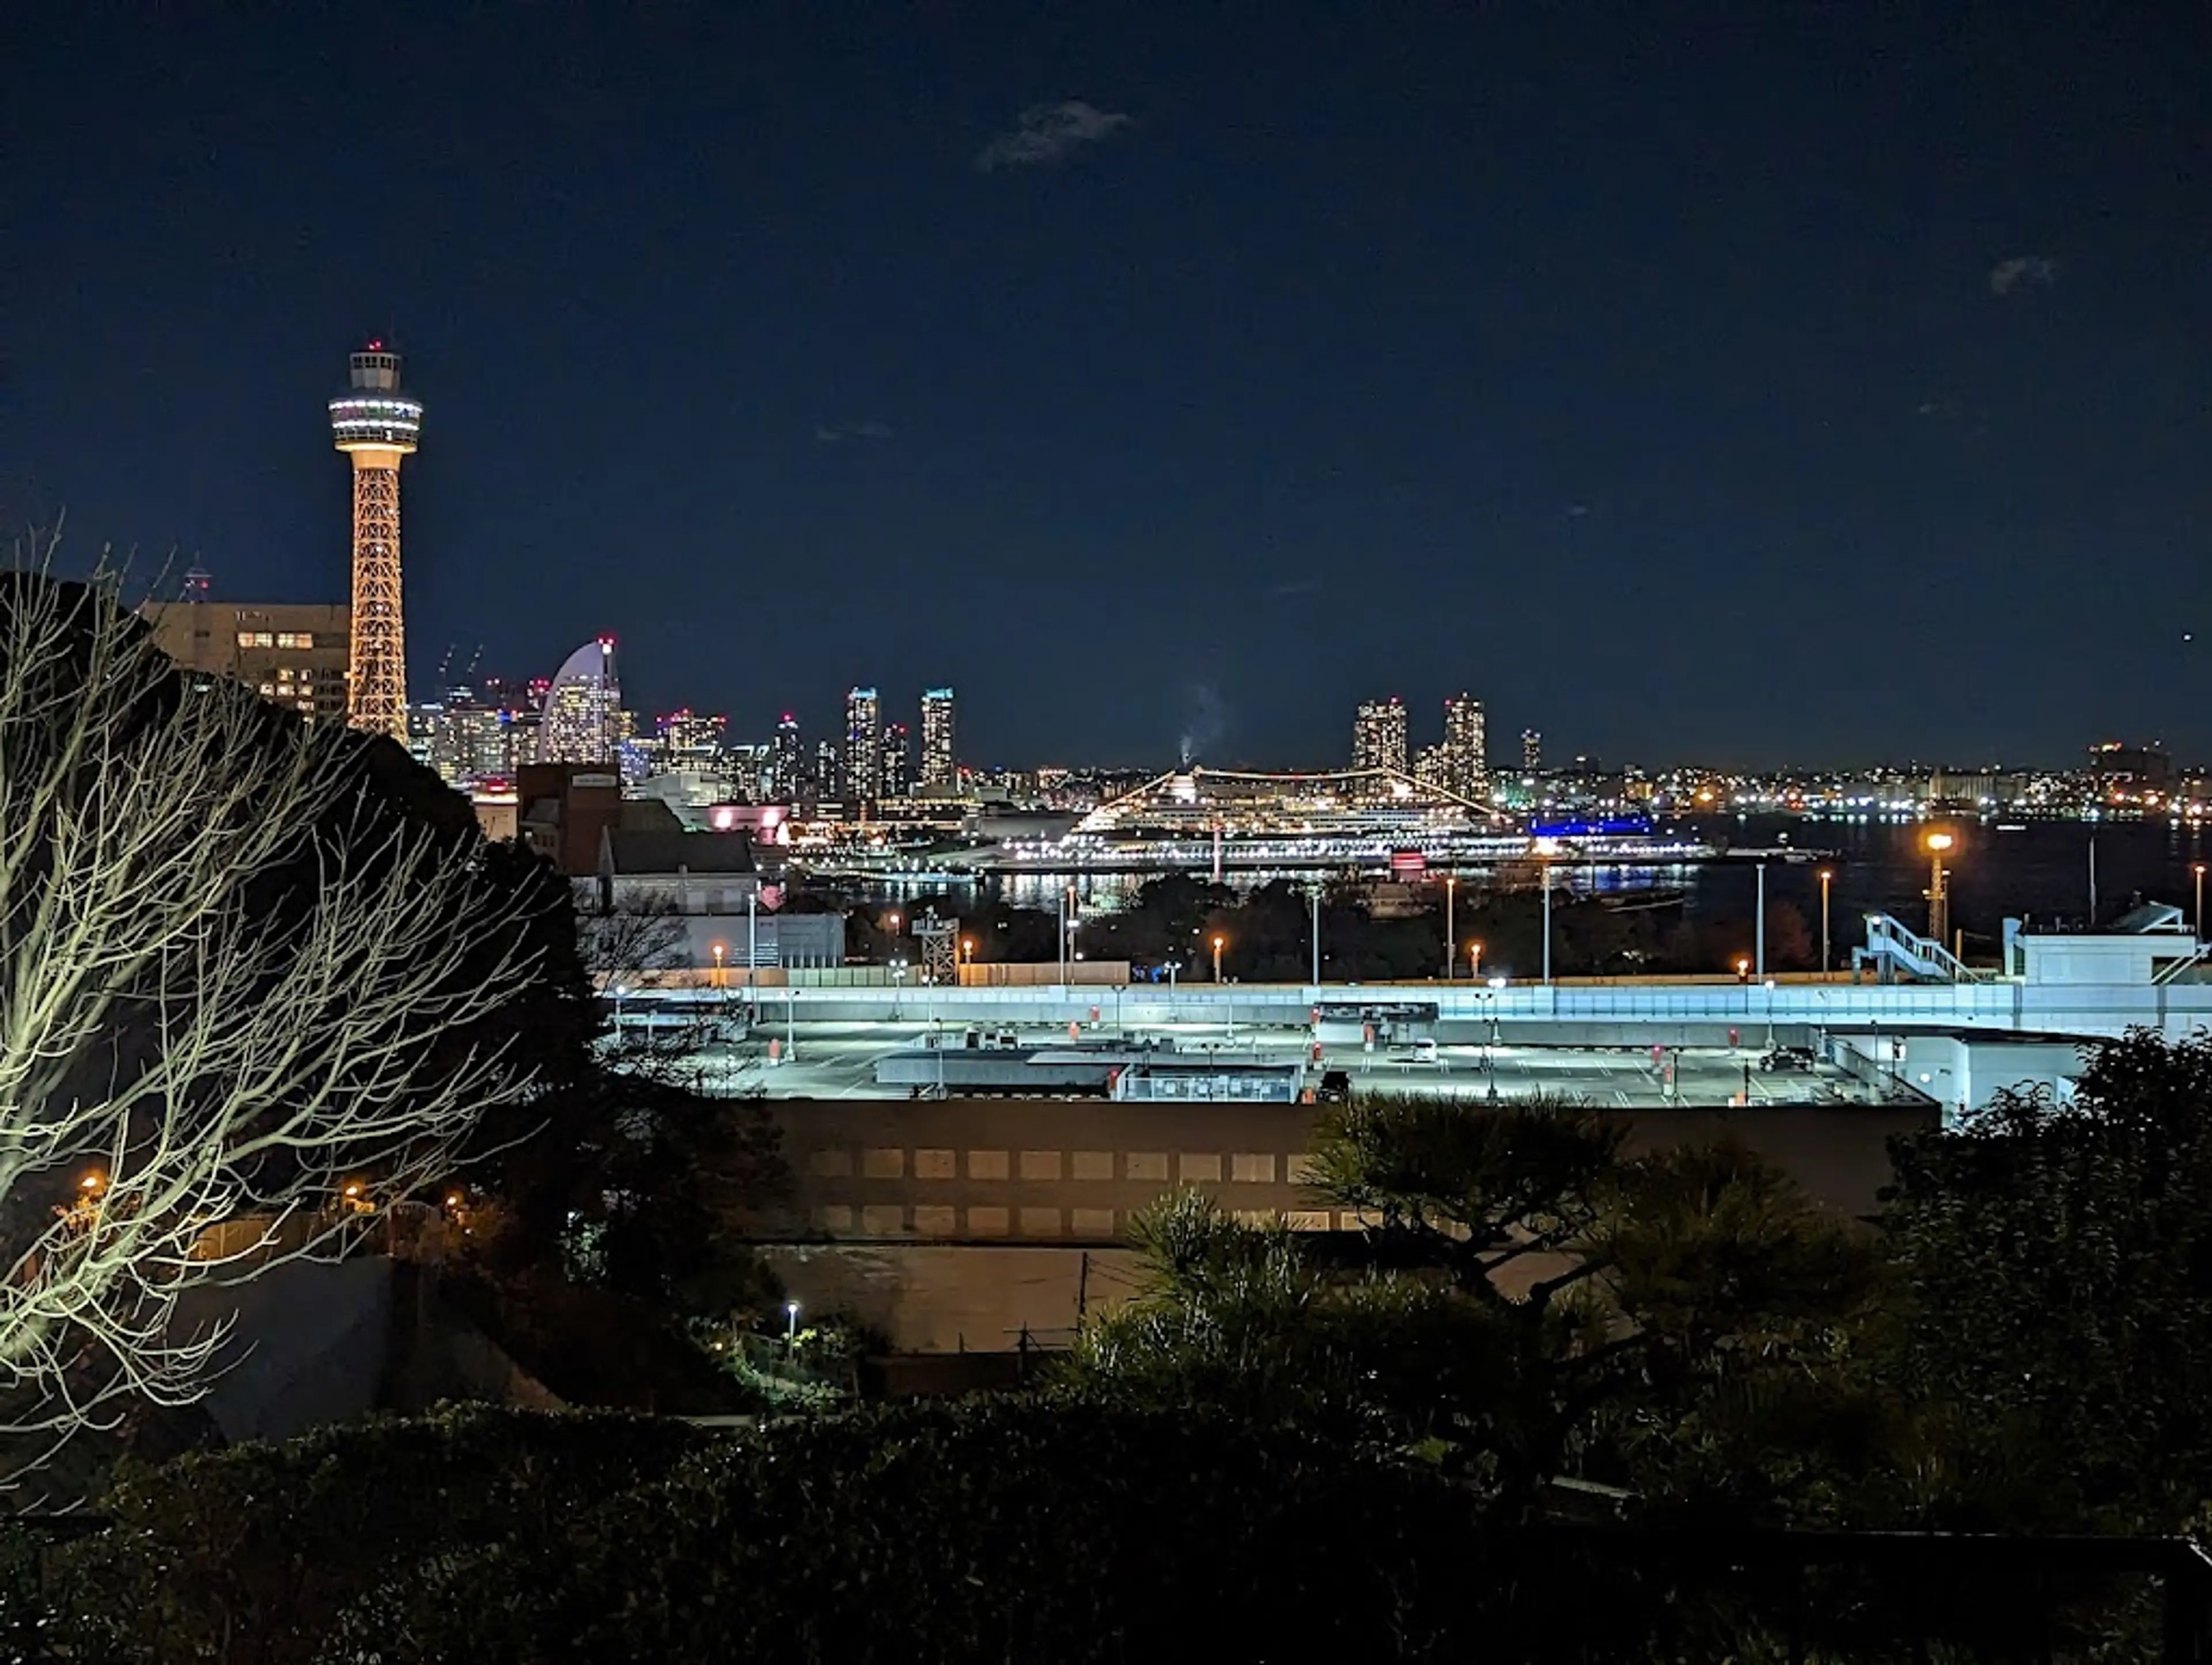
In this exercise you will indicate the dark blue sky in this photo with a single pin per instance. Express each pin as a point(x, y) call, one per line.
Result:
point(1734, 383)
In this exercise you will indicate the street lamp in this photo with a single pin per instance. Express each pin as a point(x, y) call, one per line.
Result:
point(790, 1326)
point(1770, 1014)
point(1743, 967)
point(2197, 926)
point(1451, 933)
point(1938, 845)
point(1475, 961)
point(720, 949)
point(1219, 942)
point(1825, 876)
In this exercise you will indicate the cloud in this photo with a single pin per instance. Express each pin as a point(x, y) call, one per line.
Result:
point(1047, 133)
point(852, 430)
point(2029, 271)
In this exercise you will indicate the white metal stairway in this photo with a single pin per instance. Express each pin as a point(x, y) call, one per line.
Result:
point(1891, 949)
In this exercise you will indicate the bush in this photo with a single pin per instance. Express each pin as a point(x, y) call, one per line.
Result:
point(255, 1555)
point(982, 1530)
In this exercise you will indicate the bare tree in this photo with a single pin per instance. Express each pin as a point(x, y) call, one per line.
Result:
point(630, 941)
point(233, 983)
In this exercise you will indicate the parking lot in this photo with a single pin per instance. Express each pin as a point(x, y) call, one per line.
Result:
point(838, 1060)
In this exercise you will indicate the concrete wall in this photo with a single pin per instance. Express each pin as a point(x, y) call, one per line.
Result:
point(953, 1225)
point(1027, 1171)
point(1959, 1071)
point(935, 1297)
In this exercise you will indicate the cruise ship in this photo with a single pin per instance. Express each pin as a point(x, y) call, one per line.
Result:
point(1230, 820)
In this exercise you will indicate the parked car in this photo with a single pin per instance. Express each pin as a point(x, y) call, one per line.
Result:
point(1335, 1086)
point(1788, 1058)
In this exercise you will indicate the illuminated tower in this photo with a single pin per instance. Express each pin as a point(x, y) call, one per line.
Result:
point(864, 744)
point(940, 770)
point(376, 424)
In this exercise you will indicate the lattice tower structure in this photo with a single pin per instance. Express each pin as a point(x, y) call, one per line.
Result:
point(378, 425)
point(940, 963)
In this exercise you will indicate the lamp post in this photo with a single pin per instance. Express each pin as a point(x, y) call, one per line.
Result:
point(720, 949)
point(1475, 961)
point(1770, 1014)
point(1547, 925)
point(2196, 925)
point(790, 1326)
point(1938, 845)
point(1759, 929)
point(1825, 876)
point(1314, 896)
point(1220, 942)
point(1451, 933)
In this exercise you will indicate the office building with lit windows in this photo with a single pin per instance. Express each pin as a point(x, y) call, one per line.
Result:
point(1532, 749)
point(940, 765)
point(864, 744)
point(785, 771)
point(1378, 735)
point(898, 762)
point(1465, 760)
point(582, 716)
point(296, 655)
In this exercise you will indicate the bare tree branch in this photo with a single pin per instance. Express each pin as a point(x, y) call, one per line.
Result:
point(230, 985)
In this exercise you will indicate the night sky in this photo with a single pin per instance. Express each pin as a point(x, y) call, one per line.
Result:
point(1733, 384)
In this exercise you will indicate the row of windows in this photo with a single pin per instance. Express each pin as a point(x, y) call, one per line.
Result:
point(923, 1220)
point(276, 638)
point(1154, 1167)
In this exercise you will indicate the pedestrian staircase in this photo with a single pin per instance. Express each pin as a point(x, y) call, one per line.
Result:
point(1892, 950)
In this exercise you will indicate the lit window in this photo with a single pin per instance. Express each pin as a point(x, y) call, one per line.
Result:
point(263, 639)
point(246, 638)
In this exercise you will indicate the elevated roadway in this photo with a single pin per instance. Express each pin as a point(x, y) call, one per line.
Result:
point(1562, 1013)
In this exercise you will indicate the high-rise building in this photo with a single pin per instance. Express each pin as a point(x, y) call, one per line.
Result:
point(831, 778)
point(1433, 768)
point(689, 740)
point(295, 655)
point(1465, 762)
point(786, 770)
point(898, 764)
point(376, 425)
point(470, 740)
point(581, 716)
point(1378, 735)
point(1532, 749)
point(864, 773)
point(940, 766)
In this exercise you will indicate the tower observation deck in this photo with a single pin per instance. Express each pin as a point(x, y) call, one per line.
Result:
point(377, 425)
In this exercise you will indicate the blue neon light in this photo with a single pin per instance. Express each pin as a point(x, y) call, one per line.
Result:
point(1627, 826)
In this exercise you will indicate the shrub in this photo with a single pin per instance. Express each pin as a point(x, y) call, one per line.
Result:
point(252, 1555)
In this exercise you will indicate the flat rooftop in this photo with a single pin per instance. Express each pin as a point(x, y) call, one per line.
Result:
point(827, 1060)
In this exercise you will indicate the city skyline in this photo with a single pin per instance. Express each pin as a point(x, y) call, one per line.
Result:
point(1588, 355)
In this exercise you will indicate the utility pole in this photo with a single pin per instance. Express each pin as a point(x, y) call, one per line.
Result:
point(1547, 925)
point(1758, 944)
point(1314, 895)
